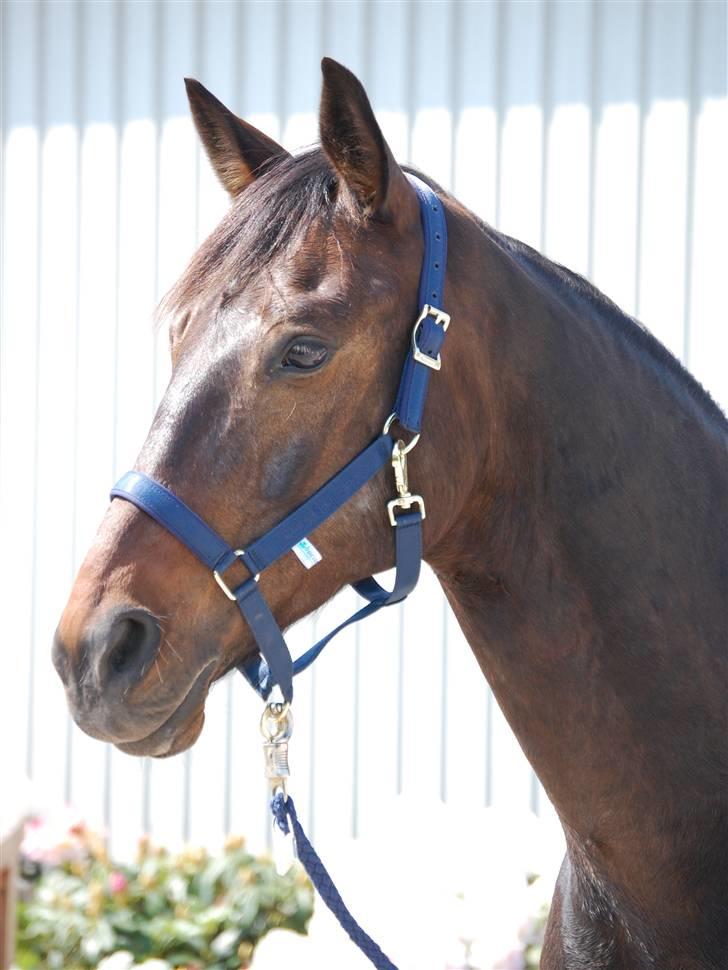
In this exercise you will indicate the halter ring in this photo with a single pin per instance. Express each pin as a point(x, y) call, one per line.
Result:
point(388, 424)
point(239, 553)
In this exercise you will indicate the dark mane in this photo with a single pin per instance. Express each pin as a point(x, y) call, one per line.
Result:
point(269, 217)
point(574, 289)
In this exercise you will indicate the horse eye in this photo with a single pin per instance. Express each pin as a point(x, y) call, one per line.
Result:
point(305, 356)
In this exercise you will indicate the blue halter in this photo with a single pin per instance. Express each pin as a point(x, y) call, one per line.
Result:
point(274, 665)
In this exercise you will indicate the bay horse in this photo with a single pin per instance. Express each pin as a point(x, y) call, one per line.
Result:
point(576, 479)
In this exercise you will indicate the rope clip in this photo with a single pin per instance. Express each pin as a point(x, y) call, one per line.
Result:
point(276, 726)
point(405, 500)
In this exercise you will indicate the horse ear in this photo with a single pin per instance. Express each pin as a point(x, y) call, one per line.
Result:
point(236, 149)
point(355, 145)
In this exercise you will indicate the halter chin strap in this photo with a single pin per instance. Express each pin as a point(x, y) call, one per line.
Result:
point(274, 666)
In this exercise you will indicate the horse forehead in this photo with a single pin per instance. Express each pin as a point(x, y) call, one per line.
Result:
point(216, 357)
point(328, 282)
point(308, 266)
point(313, 269)
point(330, 262)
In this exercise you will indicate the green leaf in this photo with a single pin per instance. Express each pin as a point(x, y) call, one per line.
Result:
point(25, 959)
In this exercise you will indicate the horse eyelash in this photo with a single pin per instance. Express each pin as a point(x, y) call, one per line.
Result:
point(306, 351)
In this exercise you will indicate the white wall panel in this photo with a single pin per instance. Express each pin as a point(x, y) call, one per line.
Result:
point(21, 90)
point(617, 150)
point(521, 82)
point(568, 106)
point(667, 98)
point(57, 372)
point(95, 457)
point(476, 92)
point(300, 50)
point(597, 131)
point(134, 354)
point(706, 319)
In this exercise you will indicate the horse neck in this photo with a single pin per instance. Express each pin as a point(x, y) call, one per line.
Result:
point(583, 566)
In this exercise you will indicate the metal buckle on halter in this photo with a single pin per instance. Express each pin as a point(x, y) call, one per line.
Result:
point(441, 319)
point(239, 553)
point(405, 502)
point(405, 499)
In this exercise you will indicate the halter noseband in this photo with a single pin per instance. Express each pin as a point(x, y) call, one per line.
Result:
point(274, 666)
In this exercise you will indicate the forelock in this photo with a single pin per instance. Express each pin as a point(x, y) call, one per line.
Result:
point(271, 217)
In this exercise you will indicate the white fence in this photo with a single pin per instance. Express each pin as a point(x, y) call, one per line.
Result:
point(594, 130)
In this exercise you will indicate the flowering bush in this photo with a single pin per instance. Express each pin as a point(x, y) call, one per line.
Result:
point(192, 910)
point(501, 929)
point(198, 911)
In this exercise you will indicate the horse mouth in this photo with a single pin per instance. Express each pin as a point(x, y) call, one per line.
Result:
point(182, 727)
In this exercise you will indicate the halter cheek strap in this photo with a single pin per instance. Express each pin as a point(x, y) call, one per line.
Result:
point(274, 666)
point(428, 333)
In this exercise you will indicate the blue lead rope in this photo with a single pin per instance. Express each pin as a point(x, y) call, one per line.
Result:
point(284, 813)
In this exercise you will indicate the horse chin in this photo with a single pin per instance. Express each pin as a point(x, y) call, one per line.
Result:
point(180, 730)
point(171, 738)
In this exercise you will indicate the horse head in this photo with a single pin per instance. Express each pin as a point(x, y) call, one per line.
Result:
point(287, 333)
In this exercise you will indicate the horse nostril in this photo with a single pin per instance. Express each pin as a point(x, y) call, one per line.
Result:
point(129, 636)
point(126, 643)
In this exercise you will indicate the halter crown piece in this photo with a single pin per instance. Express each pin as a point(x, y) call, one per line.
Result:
point(274, 667)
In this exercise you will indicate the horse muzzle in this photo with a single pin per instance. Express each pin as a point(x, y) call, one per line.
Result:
point(120, 690)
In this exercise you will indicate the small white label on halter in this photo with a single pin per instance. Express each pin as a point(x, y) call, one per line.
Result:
point(307, 553)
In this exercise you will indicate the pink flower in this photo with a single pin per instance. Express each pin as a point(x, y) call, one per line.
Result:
point(117, 883)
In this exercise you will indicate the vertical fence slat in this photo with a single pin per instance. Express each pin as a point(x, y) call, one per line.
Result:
point(22, 76)
point(302, 73)
point(476, 120)
point(135, 358)
point(98, 206)
point(219, 70)
point(431, 91)
point(616, 162)
point(388, 61)
point(707, 340)
point(344, 34)
point(171, 172)
point(521, 147)
point(56, 378)
point(262, 51)
point(664, 172)
point(567, 150)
